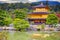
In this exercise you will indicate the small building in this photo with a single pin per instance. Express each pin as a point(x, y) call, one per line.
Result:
point(58, 15)
point(39, 14)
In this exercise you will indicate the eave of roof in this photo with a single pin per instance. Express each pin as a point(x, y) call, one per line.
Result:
point(38, 13)
point(39, 6)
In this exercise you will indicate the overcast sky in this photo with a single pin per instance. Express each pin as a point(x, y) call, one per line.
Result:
point(26, 0)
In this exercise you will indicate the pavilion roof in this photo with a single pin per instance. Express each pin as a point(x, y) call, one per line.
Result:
point(38, 13)
point(40, 6)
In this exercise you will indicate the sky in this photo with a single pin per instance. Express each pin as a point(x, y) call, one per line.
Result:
point(26, 0)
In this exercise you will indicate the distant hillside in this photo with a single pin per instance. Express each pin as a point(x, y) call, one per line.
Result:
point(50, 3)
point(2, 2)
point(54, 5)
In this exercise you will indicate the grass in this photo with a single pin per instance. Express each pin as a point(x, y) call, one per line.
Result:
point(27, 35)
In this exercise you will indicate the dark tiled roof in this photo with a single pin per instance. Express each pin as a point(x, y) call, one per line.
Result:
point(39, 6)
point(38, 13)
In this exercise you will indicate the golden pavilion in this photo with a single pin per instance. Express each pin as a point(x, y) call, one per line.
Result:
point(39, 14)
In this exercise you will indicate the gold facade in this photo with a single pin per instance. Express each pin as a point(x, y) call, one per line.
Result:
point(37, 16)
point(40, 10)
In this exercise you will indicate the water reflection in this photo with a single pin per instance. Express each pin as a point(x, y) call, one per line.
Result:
point(17, 35)
point(3, 35)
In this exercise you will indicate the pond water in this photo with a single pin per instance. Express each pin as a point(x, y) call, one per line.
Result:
point(17, 35)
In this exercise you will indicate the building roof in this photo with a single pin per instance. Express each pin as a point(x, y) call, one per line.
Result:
point(39, 6)
point(38, 13)
point(50, 3)
point(58, 15)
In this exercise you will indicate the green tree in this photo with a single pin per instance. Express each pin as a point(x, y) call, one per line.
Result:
point(20, 24)
point(5, 18)
point(52, 19)
point(7, 21)
point(21, 13)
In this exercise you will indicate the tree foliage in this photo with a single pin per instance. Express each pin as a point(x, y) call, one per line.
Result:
point(52, 19)
point(5, 18)
point(20, 24)
point(21, 13)
point(8, 21)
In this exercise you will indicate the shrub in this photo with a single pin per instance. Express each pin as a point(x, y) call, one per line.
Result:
point(20, 24)
point(7, 21)
point(5, 18)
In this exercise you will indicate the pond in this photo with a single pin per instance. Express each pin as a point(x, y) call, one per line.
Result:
point(16, 35)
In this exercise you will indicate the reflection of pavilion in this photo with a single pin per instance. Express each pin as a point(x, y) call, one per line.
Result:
point(39, 14)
